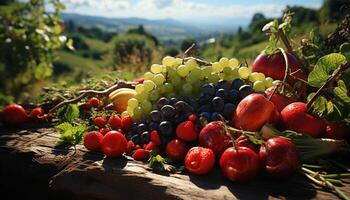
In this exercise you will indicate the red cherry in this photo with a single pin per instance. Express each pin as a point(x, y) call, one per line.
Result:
point(126, 123)
point(93, 102)
point(130, 146)
point(103, 131)
point(199, 160)
point(100, 121)
point(36, 114)
point(140, 154)
point(155, 137)
point(114, 144)
point(93, 140)
point(239, 165)
point(115, 122)
point(14, 115)
point(187, 131)
point(192, 117)
point(213, 136)
point(176, 150)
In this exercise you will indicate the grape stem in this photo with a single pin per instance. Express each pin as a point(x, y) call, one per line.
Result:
point(85, 93)
point(198, 60)
point(330, 79)
point(285, 41)
point(187, 51)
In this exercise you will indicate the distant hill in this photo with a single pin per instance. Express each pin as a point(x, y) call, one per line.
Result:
point(164, 29)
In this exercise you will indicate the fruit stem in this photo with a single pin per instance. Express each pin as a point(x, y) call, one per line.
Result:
point(198, 60)
point(184, 55)
point(335, 74)
point(285, 41)
point(84, 93)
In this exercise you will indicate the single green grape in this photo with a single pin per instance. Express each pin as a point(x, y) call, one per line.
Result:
point(146, 107)
point(187, 88)
point(159, 79)
point(175, 80)
point(168, 61)
point(182, 70)
point(224, 62)
point(155, 68)
point(259, 86)
point(191, 64)
point(244, 72)
point(148, 76)
point(141, 97)
point(213, 78)
point(161, 89)
point(217, 67)
point(205, 71)
point(153, 95)
point(268, 82)
point(133, 103)
point(130, 110)
point(139, 88)
point(168, 87)
point(137, 114)
point(177, 62)
point(233, 62)
point(149, 85)
point(227, 71)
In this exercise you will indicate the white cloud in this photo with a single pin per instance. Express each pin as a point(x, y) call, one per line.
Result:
point(102, 5)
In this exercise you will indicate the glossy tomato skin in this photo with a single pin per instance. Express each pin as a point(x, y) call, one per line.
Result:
point(214, 136)
point(240, 165)
point(281, 159)
point(36, 113)
point(115, 122)
point(176, 150)
point(93, 141)
point(199, 160)
point(14, 115)
point(140, 154)
point(126, 123)
point(100, 121)
point(187, 131)
point(114, 144)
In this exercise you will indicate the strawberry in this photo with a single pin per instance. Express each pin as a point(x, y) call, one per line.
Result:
point(115, 122)
point(114, 144)
point(93, 140)
point(187, 131)
point(150, 146)
point(126, 123)
point(176, 150)
point(199, 160)
point(100, 121)
point(130, 146)
point(93, 102)
point(213, 136)
point(140, 154)
point(192, 117)
point(155, 137)
point(103, 131)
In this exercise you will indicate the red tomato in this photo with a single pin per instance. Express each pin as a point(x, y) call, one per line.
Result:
point(14, 115)
point(114, 144)
point(93, 140)
point(176, 150)
point(36, 113)
point(100, 121)
point(199, 160)
point(115, 122)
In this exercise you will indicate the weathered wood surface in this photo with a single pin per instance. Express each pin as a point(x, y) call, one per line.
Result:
point(89, 175)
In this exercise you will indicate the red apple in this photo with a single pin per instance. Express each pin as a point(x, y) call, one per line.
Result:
point(244, 141)
point(213, 136)
point(253, 112)
point(295, 117)
point(274, 66)
point(278, 100)
point(280, 157)
point(336, 130)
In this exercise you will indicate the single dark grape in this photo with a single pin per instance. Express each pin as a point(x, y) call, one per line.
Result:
point(216, 116)
point(168, 111)
point(165, 128)
point(221, 93)
point(179, 106)
point(208, 89)
point(136, 139)
point(162, 102)
point(185, 99)
point(237, 83)
point(141, 128)
point(223, 84)
point(172, 101)
point(156, 116)
point(233, 96)
point(134, 126)
point(218, 104)
point(203, 99)
point(205, 115)
point(145, 137)
point(194, 104)
point(153, 126)
point(245, 90)
point(205, 108)
point(228, 110)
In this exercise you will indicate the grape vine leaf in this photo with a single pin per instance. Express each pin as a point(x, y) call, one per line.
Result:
point(68, 113)
point(324, 67)
point(71, 134)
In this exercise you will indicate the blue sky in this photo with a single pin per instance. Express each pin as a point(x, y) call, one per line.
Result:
point(184, 9)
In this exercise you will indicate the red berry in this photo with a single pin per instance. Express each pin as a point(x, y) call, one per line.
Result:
point(115, 122)
point(240, 165)
point(176, 150)
point(199, 160)
point(155, 137)
point(130, 146)
point(187, 131)
point(36, 114)
point(93, 140)
point(93, 102)
point(114, 144)
point(103, 131)
point(14, 115)
point(150, 146)
point(192, 117)
point(137, 146)
point(126, 123)
point(100, 121)
point(213, 136)
point(140, 154)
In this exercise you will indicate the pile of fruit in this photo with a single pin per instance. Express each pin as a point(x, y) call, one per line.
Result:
point(271, 117)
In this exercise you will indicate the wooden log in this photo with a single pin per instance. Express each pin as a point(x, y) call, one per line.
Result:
point(90, 175)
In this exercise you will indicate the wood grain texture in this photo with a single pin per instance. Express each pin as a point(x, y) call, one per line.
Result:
point(90, 175)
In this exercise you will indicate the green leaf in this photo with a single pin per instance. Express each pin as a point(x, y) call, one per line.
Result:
point(341, 92)
point(71, 134)
point(345, 50)
point(42, 71)
point(69, 112)
point(324, 67)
